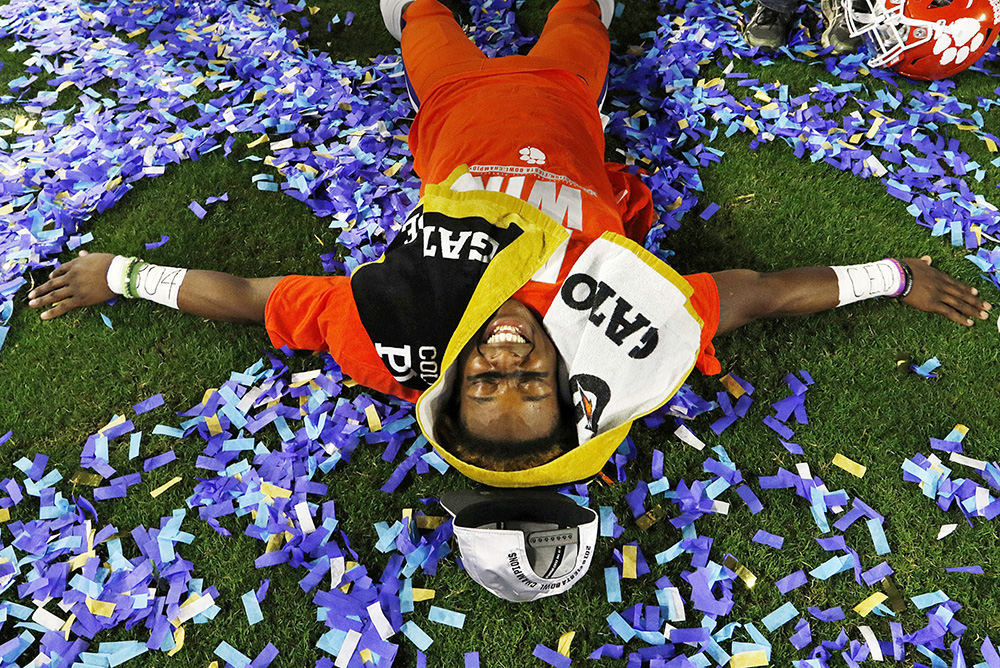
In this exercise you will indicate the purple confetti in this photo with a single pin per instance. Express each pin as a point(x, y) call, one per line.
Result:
point(778, 428)
point(149, 404)
point(197, 209)
point(769, 539)
point(790, 582)
point(975, 570)
point(709, 211)
point(749, 498)
point(156, 244)
point(550, 656)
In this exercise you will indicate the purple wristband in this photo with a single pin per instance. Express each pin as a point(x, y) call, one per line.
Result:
point(902, 277)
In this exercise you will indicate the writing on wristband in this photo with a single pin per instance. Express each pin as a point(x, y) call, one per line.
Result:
point(134, 278)
point(155, 283)
point(885, 278)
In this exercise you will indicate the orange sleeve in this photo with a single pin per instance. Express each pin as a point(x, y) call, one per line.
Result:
point(319, 313)
point(633, 199)
point(705, 301)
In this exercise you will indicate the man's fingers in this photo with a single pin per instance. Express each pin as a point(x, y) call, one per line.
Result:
point(952, 313)
point(47, 287)
point(971, 304)
point(51, 297)
point(58, 309)
point(60, 270)
point(963, 307)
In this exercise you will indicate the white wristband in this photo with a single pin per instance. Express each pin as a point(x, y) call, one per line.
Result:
point(115, 277)
point(159, 284)
point(864, 281)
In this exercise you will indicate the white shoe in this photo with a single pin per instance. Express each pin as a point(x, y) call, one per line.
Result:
point(392, 16)
point(607, 11)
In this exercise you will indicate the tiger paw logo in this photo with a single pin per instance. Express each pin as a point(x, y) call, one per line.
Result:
point(590, 396)
point(956, 41)
point(532, 155)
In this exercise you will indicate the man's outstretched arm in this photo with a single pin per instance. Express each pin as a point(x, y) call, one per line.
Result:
point(746, 295)
point(209, 294)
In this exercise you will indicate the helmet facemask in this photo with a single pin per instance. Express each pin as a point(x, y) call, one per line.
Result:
point(924, 39)
point(885, 25)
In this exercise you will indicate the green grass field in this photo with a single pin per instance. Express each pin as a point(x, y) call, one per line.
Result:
point(63, 380)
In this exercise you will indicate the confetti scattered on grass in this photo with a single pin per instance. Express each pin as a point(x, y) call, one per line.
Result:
point(352, 177)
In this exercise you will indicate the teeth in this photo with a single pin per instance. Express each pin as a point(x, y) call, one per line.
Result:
point(505, 338)
point(506, 334)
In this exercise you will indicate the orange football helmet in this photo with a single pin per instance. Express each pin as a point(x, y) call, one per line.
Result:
point(925, 39)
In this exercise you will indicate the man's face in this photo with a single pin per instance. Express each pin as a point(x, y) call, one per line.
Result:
point(509, 382)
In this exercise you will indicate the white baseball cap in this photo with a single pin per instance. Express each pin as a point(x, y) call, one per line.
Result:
point(522, 544)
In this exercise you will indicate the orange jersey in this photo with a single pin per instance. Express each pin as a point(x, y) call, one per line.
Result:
point(528, 133)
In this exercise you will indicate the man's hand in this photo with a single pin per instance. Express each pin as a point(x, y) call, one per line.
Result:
point(745, 296)
point(937, 292)
point(79, 282)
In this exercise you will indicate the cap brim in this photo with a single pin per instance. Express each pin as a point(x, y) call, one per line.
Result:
point(474, 507)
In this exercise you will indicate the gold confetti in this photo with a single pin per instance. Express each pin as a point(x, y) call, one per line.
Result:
point(79, 560)
point(742, 572)
point(757, 657)
point(420, 594)
point(732, 386)
point(651, 517)
point(875, 126)
point(214, 427)
point(88, 478)
point(849, 465)
point(430, 522)
point(564, 642)
point(629, 554)
point(165, 486)
point(258, 141)
point(274, 491)
point(374, 423)
point(102, 608)
point(274, 542)
point(114, 423)
point(178, 641)
point(391, 172)
point(869, 603)
point(68, 625)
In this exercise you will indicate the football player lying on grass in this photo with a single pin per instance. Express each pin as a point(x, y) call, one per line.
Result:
point(515, 305)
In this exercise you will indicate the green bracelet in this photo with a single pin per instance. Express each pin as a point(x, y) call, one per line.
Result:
point(132, 273)
point(125, 269)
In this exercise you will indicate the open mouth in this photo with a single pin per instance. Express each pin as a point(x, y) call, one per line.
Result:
point(505, 331)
